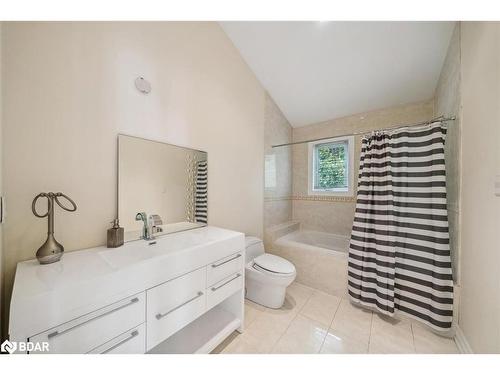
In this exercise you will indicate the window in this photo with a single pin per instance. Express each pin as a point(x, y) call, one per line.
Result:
point(270, 172)
point(331, 166)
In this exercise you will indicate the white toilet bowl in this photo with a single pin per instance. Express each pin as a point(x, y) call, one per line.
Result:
point(266, 276)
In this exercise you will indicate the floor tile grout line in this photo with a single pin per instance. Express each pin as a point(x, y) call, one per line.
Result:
point(290, 323)
point(331, 322)
point(253, 321)
point(272, 347)
point(336, 311)
point(314, 320)
point(413, 339)
point(370, 334)
point(317, 321)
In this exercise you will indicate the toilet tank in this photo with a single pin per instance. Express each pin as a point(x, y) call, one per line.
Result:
point(254, 248)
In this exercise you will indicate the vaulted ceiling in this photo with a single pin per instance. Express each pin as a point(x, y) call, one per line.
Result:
point(316, 71)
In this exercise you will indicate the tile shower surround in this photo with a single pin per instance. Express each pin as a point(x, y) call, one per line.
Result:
point(289, 199)
point(336, 214)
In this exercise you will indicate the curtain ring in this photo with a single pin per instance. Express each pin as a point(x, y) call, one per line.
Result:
point(68, 199)
point(33, 205)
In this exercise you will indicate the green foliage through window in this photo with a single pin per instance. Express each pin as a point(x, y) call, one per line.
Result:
point(330, 160)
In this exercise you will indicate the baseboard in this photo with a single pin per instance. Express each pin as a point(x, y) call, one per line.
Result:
point(461, 341)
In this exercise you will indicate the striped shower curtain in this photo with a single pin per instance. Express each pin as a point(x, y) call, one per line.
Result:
point(399, 255)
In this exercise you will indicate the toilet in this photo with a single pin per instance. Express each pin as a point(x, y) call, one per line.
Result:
point(267, 276)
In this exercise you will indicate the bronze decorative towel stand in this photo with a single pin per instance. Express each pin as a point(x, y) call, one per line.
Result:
point(51, 251)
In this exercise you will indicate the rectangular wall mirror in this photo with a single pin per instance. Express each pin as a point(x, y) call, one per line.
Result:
point(166, 183)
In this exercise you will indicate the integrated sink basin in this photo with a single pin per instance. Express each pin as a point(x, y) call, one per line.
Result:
point(137, 251)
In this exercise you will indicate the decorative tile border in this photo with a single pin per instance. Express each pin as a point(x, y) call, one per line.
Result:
point(274, 199)
point(324, 198)
point(315, 198)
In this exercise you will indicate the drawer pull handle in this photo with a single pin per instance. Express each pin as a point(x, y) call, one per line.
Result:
point(132, 335)
point(226, 261)
point(160, 316)
point(57, 333)
point(227, 282)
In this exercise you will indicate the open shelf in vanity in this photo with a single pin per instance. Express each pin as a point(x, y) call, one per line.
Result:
point(203, 334)
point(185, 294)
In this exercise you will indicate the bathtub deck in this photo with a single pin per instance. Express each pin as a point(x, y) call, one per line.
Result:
point(312, 321)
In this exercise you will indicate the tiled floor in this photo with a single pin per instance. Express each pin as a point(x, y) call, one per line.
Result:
point(315, 322)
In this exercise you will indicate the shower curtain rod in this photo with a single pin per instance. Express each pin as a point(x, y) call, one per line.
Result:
point(440, 118)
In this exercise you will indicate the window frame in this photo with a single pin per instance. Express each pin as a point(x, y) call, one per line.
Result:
point(270, 175)
point(311, 172)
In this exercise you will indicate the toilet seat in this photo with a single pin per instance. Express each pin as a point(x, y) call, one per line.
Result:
point(275, 265)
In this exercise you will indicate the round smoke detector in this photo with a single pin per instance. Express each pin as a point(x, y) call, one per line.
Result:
point(142, 85)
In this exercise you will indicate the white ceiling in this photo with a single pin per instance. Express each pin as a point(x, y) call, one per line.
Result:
point(316, 71)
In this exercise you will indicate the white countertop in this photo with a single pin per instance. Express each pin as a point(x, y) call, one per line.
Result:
point(88, 279)
point(166, 229)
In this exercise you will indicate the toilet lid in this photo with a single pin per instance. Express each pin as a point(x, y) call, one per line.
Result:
point(274, 264)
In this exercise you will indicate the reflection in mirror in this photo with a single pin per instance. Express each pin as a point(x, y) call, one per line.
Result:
point(162, 188)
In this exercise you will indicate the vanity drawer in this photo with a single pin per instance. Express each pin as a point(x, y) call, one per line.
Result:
point(96, 328)
point(223, 289)
point(174, 304)
point(224, 267)
point(130, 342)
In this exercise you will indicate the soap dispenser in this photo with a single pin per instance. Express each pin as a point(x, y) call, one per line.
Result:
point(115, 235)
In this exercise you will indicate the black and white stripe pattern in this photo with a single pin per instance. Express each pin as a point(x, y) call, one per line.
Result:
point(201, 196)
point(399, 256)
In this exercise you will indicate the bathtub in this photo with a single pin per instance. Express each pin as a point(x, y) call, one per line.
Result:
point(320, 259)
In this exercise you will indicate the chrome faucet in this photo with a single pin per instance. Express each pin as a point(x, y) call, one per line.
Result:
point(146, 229)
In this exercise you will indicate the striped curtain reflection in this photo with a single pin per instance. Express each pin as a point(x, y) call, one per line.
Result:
point(399, 255)
point(201, 196)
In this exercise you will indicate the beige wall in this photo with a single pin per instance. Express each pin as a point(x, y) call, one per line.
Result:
point(479, 316)
point(277, 198)
point(447, 103)
point(336, 214)
point(69, 89)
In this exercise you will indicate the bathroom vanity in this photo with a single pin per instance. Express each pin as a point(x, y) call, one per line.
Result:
point(181, 293)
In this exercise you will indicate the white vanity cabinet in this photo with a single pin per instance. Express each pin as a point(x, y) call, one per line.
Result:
point(174, 304)
point(89, 331)
point(220, 291)
point(131, 342)
point(182, 294)
point(225, 267)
